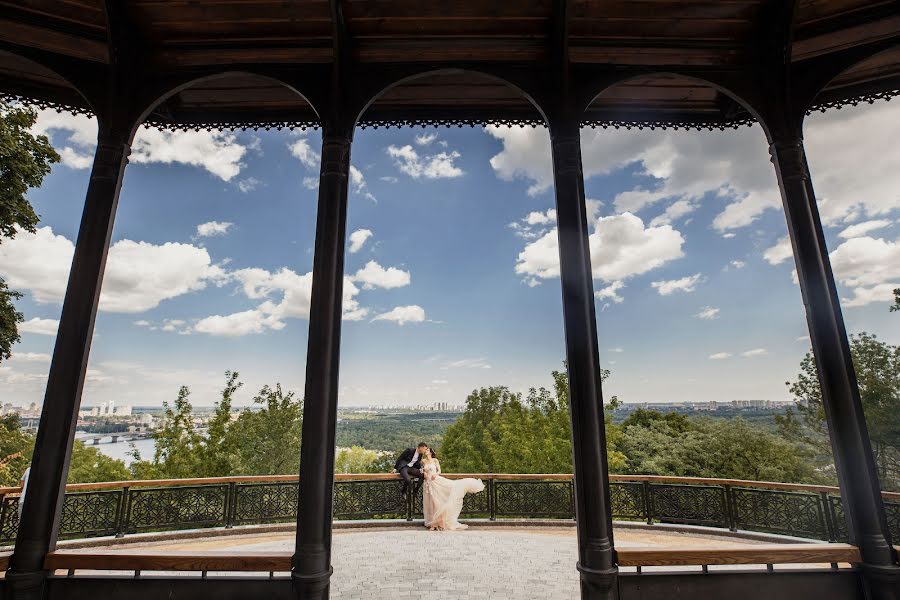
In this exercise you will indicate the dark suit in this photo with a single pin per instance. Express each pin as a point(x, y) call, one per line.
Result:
point(408, 473)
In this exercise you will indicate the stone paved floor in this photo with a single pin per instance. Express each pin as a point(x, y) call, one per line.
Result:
point(414, 564)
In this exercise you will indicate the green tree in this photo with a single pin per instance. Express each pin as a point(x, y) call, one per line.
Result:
point(25, 160)
point(15, 450)
point(178, 444)
point(267, 440)
point(896, 305)
point(87, 464)
point(877, 366)
point(502, 432)
point(357, 459)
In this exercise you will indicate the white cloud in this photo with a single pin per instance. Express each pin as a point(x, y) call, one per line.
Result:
point(617, 350)
point(248, 185)
point(389, 179)
point(39, 326)
point(621, 247)
point(284, 294)
point(720, 356)
point(755, 352)
point(374, 275)
point(534, 224)
point(31, 357)
point(218, 152)
point(707, 313)
point(869, 267)
point(541, 218)
point(466, 363)
point(143, 323)
point(611, 292)
point(733, 165)
point(737, 264)
point(685, 284)
point(861, 229)
point(301, 150)
point(237, 324)
point(674, 211)
point(309, 158)
point(213, 228)
point(780, 252)
point(358, 239)
point(138, 275)
point(433, 166)
point(403, 315)
point(73, 136)
point(425, 139)
point(858, 183)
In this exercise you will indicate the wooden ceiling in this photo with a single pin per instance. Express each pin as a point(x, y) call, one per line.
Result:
point(180, 36)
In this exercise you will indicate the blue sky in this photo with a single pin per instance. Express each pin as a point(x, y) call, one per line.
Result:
point(452, 273)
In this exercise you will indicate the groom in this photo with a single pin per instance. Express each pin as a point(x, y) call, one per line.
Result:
point(409, 465)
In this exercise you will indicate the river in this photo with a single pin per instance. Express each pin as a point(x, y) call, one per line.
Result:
point(119, 450)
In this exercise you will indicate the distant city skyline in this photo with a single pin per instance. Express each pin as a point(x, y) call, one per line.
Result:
point(452, 269)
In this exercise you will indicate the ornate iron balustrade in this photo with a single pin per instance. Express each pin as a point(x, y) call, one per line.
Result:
point(122, 508)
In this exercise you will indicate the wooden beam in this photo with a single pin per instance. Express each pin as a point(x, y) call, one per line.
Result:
point(176, 561)
point(761, 554)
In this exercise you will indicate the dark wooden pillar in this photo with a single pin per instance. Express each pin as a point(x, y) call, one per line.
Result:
point(850, 443)
point(596, 558)
point(312, 558)
point(39, 524)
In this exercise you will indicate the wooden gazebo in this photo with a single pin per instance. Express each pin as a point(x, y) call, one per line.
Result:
point(563, 64)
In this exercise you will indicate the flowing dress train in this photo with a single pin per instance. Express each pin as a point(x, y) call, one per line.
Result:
point(443, 498)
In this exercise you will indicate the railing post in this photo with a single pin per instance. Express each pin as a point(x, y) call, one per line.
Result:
point(42, 510)
point(596, 557)
point(230, 498)
point(312, 569)
point(730, 508)
point(648, 505)
point(410, 502)
point(847, 428)
point(827, 521)
point(492, 505)
point(121, 518)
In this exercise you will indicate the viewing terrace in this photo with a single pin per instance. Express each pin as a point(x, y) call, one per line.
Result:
point(565, 65)
point(220, 526)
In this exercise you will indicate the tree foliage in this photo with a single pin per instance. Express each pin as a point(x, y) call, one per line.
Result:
point(25, 160)
point(88, 465)
point(877, 366)
point(357, 459)
point(502, 432)
point(261, 440)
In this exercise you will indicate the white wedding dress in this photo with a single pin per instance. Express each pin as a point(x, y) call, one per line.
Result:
point(443, 498)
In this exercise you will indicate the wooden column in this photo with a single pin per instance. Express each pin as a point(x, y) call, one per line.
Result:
point(850, 443)
point(312, 558)
point(41, 513)
point(596, 559)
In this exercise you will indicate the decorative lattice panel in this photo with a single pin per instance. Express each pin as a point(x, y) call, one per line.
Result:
point(87, 514)
point(265, 503)
point(535, 498)
point(177, 507)
point(691, 504)
point(788, 513)
point(366, 499)
point(9, 519)
point(627, 500)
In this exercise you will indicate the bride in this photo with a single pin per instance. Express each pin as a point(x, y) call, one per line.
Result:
point(443, 498)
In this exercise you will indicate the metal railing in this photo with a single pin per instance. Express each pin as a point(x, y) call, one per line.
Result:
point(122, 508)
